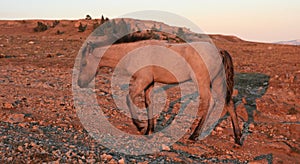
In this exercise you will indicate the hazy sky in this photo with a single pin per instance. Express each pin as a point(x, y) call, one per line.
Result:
point(257, 20)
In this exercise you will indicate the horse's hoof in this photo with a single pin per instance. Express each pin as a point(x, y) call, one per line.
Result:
point(238, 140)
point(140, 129)
point(140, 125)
point(149, 132)
point(193, 137)
point(149, 136)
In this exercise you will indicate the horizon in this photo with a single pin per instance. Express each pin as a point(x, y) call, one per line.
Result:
point(268, 21)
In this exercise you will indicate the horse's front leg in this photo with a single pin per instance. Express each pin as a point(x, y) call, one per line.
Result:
point(137, 86)
point(149, 107)
point(134, 116)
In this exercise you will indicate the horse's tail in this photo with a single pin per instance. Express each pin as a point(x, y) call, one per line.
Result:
point(228, 66)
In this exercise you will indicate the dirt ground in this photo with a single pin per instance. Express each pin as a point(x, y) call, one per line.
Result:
point(39, 123)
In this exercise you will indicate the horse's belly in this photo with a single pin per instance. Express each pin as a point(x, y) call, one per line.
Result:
point(165, 76)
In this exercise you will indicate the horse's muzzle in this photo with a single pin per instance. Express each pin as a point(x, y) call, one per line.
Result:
point(81, 84)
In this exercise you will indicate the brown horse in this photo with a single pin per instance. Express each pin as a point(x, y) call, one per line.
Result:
point(143, 79)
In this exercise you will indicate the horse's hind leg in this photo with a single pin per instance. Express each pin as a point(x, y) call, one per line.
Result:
point(234, 119)
point(137, 86)
point(205, 98)
point(149, 107)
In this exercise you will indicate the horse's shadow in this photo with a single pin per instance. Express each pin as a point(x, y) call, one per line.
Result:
point(250, 86)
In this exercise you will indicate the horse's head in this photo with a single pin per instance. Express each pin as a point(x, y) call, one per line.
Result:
point(88, 66)
point(89, 61)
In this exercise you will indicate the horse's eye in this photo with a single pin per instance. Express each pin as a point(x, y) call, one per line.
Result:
point(83, 64)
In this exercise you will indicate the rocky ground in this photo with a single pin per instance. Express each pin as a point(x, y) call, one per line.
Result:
point(39, 122)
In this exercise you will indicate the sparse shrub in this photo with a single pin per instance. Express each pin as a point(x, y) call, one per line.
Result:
point(153, 28)
point(82, 28)
point(64, 25)
point(168, 39)
point(88, 17)
point(107, 28)
point(55, 23)
point(156, 37)
point(59, 54)
point(160, 27)
point(114, 26)
point(199, 35)
point(102, 20)
point(292, 111)
point(40, 27)
point(180, 33)
point(58, 32)
point(122, 27)
point(96, 25)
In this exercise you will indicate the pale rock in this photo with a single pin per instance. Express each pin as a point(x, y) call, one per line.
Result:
point(8, 106)
point(90, 160)
point(106, 157)
point(165, 147)
point(80, 161)
point(235, 92)
point(219, 129)
point(112, 161)
point(292, 117)
point(121, 161)
point(23, 124)
point(69, 154)
point(20, 149)
point(33, 144)
point(9, 159)
point(251, 127)
point(31, 42)
point(213, 132)
point(35, 128)
point(16, 118)
point(244, 100)
point(72, 146)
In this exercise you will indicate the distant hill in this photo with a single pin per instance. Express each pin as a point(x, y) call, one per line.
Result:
point(291, 42)
point(69, 29)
